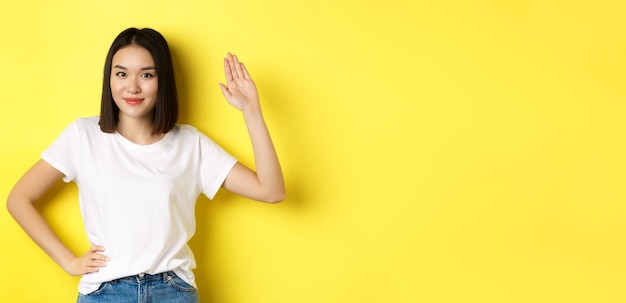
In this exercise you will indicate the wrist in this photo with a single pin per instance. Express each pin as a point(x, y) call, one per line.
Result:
point(252, 112)
point(66, 262)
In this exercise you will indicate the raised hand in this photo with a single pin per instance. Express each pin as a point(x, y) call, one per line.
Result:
point(266, 183)
point(239, 90)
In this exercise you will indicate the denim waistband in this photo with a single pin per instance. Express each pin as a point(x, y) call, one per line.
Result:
point(144, 277)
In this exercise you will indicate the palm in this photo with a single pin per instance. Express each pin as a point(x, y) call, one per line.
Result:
point(240, 91)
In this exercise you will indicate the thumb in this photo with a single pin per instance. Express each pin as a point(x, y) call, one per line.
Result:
point(224, 90)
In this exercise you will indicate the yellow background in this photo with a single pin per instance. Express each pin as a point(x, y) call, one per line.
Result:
point(434, 151)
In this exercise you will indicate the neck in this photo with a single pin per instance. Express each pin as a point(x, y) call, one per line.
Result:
point(138, 131)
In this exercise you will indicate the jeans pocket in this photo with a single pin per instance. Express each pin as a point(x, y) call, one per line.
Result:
point(179, 284)
point(104, 287)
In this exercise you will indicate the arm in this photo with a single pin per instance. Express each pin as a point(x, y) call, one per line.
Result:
point(266, 184)
point(21, 204)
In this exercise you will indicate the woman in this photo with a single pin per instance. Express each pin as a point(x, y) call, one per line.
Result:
point(139, 175)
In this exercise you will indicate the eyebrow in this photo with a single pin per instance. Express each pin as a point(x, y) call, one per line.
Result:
point(143, 68)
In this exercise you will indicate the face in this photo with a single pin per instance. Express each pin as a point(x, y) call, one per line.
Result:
point(134, 83)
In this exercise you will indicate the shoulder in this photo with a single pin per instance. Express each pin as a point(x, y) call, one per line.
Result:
point(87, 123)
point(82, 125)
point(85, 127)
point(75, 135)
point(188, 131)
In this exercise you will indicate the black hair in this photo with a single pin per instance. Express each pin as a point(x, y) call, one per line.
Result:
point(166, 109)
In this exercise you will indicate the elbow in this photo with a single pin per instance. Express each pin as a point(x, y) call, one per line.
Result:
point(16, 203)
point(275, 197)
point(274, 194)
point(8, 206)
point(11, 205)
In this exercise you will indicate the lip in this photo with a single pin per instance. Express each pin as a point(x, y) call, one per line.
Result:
point(133, 101)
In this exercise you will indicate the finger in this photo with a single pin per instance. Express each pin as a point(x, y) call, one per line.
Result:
point(96, 248)
point(96, 263)
point(228, 71)
point(225, 91)
point(246, 75)
point(237, 67)
point(233, 68)
point(100, 258)
point(92, 269)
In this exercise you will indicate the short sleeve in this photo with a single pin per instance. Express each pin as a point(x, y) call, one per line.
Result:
point(62, 153)
point(215, 165)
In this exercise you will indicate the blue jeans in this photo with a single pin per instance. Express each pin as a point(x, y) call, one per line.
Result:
point(143, 288)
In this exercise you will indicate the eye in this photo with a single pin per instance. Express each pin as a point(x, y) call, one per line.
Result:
point(120, 74)
point(147, 75)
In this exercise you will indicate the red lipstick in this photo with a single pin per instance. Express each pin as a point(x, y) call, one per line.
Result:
point(133, 101)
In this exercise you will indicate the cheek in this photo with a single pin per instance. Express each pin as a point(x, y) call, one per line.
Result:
point(116, 86)
point(152, 88)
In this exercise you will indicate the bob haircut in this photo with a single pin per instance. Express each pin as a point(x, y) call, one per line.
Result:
point(166, 109)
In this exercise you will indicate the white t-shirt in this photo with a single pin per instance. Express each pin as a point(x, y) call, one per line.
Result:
point(138, 200)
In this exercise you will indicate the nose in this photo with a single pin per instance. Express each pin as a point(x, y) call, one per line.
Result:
point(133, 87)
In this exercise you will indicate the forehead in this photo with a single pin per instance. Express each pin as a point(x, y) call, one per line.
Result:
point(133, 56)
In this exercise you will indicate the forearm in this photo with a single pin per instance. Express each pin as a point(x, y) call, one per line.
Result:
point(266, 182)
point(33, 223)
point(268, 170)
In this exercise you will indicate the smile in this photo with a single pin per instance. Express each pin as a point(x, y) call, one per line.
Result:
point(133, 101)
